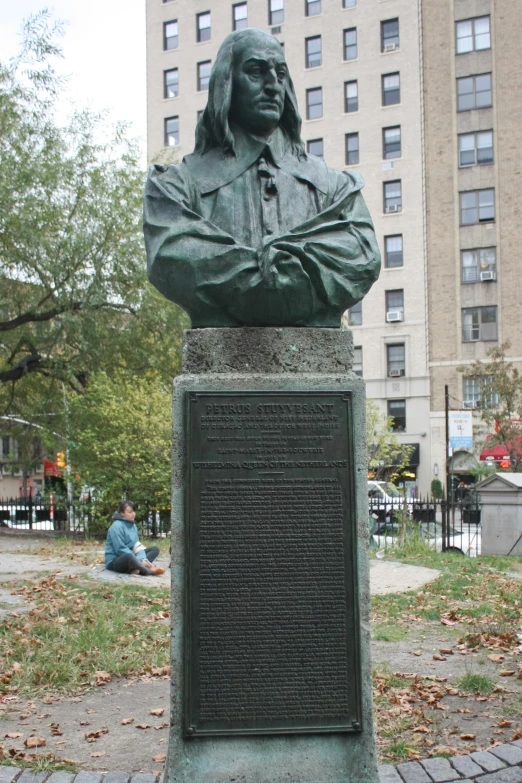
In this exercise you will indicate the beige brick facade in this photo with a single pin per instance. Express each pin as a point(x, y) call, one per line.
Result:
point(447, 295)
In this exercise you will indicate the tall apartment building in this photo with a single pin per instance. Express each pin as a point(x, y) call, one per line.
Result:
point(473, 140)
point(391, 89)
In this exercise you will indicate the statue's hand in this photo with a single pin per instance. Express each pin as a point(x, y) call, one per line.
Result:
point(273, 261)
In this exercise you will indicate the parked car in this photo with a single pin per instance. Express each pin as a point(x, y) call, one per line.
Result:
point(466, 540)
point(385, 499)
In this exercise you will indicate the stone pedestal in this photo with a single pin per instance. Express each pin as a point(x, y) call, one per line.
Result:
point(289, 364)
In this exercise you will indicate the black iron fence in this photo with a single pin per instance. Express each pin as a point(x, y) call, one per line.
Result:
point(83, 516)
point(445, 525)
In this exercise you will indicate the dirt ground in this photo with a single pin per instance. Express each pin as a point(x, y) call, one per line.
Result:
point(131, 746)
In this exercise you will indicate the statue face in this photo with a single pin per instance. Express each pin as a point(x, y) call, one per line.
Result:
point(258, 85)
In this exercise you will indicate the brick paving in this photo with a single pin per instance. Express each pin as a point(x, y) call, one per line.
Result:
point(502, 764)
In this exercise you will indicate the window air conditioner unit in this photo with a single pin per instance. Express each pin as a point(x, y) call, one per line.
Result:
point(393, 208)
point(394, 315)
point(276, 30)
point(489, 274)
point(395, 373)
point(391, 47)
point(470, 405)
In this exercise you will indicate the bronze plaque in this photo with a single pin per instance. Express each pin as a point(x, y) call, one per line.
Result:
point(273, 641)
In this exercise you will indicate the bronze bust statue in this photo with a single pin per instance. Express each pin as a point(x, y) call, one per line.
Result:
point(249, 230)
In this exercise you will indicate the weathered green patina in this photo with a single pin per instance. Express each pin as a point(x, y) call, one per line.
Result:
point(249, 230)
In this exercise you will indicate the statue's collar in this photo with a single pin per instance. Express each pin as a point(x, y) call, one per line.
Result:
point(212, 170)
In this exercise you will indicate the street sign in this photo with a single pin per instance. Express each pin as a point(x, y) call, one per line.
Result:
point(460, 429)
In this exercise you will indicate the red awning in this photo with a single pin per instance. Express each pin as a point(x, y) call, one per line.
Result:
point(497, 453)
point(51, 468)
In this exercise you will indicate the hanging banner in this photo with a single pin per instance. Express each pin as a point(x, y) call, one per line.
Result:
point(460, 429)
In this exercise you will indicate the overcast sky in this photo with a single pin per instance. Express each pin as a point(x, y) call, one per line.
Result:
point(104, 52)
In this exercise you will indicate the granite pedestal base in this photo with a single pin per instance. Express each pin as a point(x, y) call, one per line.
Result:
point(280, 361)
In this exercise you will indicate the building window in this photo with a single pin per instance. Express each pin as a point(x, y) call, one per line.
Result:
point(479, 324)
point(355, 314)
point(393, 251)
point(171, 83)
point(171, 131)
point(477, 392)
point(314, 103)
point(476, 149)
point(396, 360)
point(397, 411)
point(477, 206)
point(357, 361)
point(474, 92)
point(351, 96)
point(239, 16)
point(395, 306)
point(315, 147)
point(391, 89)
point(349, 3)
point(312, 7)
point(204, 70)
point(203, 27)
point(313, 50)
point(389, 35)
point(5, 448)
point(170, 35)
point(473, 35)
point(352, 149)
point(479, 264)
point(276, 12)
point(391, 142)
point(393, 196)
point(350, 44)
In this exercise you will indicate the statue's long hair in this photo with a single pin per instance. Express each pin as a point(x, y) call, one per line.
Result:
point(213, 129)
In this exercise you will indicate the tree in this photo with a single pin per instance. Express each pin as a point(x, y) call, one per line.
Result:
point(120, 438)
point(500, 403)
point(387, 456)
point(74, 298)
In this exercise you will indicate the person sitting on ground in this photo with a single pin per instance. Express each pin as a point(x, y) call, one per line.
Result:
point(123, 551)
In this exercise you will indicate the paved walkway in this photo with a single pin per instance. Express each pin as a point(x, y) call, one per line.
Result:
point(502, 764)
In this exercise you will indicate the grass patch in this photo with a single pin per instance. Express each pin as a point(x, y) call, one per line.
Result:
point(81, 635)
point(40, 762)
point(388, 633)
point(476, 683)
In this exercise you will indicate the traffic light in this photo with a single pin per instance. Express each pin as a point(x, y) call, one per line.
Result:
point(60, 459)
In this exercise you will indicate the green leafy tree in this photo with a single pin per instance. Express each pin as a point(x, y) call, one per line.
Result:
point(120, 436)
point(500, 403)
point(74, 298)
point(387, 456)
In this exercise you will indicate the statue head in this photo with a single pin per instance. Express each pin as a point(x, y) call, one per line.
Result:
point(250, 85)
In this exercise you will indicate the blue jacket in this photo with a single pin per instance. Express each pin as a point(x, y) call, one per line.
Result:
point(121, 537)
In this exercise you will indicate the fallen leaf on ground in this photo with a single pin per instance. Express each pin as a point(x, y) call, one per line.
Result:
point(161, 726)
point(158, 712)
point(496, 658)
point(468, 736)
point(506, 673)
point(416, 652)
point(446, 651)
point(126, 721)
point(95, 734)
point(34, 742)
point(160, 757)
point(439, 658)
point(98, 754)
point(142, 726)
point(13, 735)
point(102, 677)
point(502, 723)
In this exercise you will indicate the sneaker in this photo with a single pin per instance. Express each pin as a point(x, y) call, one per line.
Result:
point(157, 570)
